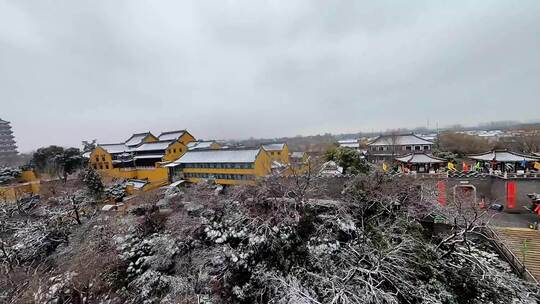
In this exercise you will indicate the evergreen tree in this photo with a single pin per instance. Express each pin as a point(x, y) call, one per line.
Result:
point(92, 181)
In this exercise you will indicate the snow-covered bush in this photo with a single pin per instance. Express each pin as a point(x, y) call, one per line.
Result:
point(8, 174)
point(92, 181)
point(116, 192)
point(259, 245)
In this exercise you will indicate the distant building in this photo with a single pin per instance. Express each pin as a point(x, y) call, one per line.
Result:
point(387, 147)
point(299, 158)
point(349, 143)
point(204, 145)
point(7, 141)
point(278, 152)
point(430, 137)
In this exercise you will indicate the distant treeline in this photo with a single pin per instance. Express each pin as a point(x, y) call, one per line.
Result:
point(321, 142)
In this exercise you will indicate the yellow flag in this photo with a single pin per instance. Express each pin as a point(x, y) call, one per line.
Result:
point(451, 166)
point(537, 165)
point(384, 167)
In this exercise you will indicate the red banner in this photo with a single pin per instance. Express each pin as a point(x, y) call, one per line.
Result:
point(511, 195)
point(442, 193)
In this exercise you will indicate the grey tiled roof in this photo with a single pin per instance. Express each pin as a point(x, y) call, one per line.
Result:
point(503, 156)
point(197, 145)
point(420, 158)
point(274, 147)
point(219, 156)
point(399, 140)
point(115, 148)
point(171, 135)
point(137, 138)
point(153, 146)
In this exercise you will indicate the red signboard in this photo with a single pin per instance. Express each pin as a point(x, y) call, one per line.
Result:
point(442, 193)
point(511, 195)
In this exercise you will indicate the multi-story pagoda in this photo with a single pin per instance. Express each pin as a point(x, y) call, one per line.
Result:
point(7, 142)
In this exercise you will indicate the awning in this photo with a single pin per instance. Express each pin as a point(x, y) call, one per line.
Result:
point(171, 165)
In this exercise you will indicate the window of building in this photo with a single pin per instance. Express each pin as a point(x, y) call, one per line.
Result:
point(100, 167)
point(408, 148)
point(426, 147)
point(107, 166)
point(174, 150)
point(95, 166)
point(416, 148)
point(103, 157)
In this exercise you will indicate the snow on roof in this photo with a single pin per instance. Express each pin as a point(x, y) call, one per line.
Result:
point(330, 168)
point(399, 140)
point(277, 165)
point(3, 121)
point(115, 148)
point(177, 183)
point(196, 145)
point(350, 145)
point(348, 141)
point(137, 183)
point(86, 154)
point(108, 207)
point(120, 161)
point(502, 156)
point(274, 147)
point(154, 146)
point(171, 135)
point(137, 138)
point(148, 156)
point(297, 154)
point(219, 156)
point(420, 158)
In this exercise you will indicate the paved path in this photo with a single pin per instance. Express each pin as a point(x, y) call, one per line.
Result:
point(520, 240)
point(516, 220)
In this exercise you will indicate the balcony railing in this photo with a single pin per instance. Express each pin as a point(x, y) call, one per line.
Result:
point(470, 174)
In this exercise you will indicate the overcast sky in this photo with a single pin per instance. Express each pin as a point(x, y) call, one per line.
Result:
point(74, 70)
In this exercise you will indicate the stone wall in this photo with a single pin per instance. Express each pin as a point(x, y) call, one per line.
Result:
point(494, 190)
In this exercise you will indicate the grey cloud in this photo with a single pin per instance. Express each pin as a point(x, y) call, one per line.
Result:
point(232, 69)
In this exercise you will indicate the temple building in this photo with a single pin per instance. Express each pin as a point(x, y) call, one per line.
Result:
point(387, 147)
point(7, 141)
point(141, 150)
point(504, 161)
point(224, 166)
point(422, 162)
